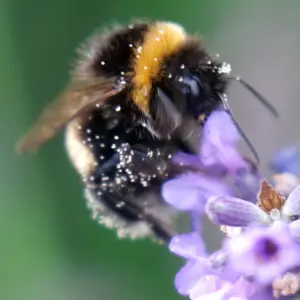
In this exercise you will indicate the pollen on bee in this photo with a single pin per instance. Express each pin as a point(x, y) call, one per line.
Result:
point(120, 204)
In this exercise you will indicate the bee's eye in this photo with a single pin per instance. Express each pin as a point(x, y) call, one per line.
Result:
point(294, 218)
point(189, 87)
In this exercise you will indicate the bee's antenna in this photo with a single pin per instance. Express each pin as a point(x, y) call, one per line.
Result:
point(238, 127)
point(254, 92)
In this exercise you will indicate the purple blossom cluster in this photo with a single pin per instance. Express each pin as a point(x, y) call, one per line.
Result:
point(260, 253)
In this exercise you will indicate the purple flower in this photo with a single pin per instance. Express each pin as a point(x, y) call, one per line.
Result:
point(188, 245)
point(218, 157)
point(200, 277)
point(190, 192)
point(295, 230)
point(264, 253)
point(291, 207)
point(220, 138)
point(247, 182)
point(235, 212)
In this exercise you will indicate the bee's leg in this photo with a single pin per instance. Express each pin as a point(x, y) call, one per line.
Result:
point(132, 218)
point(132, 191)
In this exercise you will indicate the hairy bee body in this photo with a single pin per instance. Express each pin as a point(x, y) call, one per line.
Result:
point(136, 97)
point(122, 166)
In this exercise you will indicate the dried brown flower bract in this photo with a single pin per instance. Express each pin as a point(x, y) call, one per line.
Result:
point(269, 198)
point(77, 98)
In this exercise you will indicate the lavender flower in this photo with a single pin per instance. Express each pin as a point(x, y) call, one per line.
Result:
point(200, 277)
point(264, 253)
point(219, 152)
point(218, 157)
point(190, 247)
point(291, 207)
point(204, 276)
point(226, 190)
point(190, 192)
point(220, 138)
point(235, 212)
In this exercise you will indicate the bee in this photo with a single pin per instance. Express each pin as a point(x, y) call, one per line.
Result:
point(137, 95)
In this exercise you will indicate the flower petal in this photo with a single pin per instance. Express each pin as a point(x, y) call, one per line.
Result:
point(234, 212)
point(295, 229)
point(190, 192)
point(220, 137)
point(263, 252)
point(210, 287)
point(187, 159)
point(189, 245)
point(189, 275)
point(219, 128)
point(291, 206)
point(248, 183)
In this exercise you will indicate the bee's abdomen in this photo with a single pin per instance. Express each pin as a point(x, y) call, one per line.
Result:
point(122, 167)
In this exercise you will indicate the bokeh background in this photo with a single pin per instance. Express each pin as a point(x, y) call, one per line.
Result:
point(50, 247)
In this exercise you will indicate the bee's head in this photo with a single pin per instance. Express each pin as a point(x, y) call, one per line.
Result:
point(195, 91)
point(189, 86)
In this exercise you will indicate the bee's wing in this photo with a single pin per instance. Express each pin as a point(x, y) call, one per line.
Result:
point(292, 203)
point(76, 98)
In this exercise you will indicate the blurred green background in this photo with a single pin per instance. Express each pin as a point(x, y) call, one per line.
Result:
point(50, 247)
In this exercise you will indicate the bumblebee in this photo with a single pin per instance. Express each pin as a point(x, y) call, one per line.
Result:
point(137, 95)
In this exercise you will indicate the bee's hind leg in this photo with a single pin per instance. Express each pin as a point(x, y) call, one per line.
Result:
point(125, 193)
